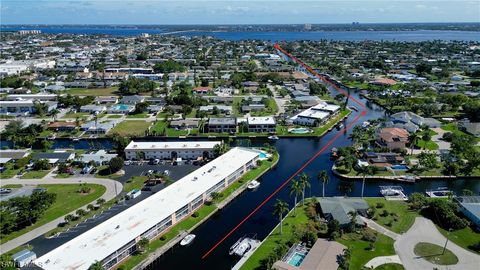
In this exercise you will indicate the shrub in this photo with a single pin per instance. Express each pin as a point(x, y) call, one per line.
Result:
point(195, 214)
point(369, 236)
point(379, 205)
point(384, 213)
point(115, 164)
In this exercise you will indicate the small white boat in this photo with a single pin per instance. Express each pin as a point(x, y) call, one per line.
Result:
point(241, 247)
point(365, 124)
point(76, 139)
point(390, 192)
point(187, 240)
point(273, 137)
point(253, 185)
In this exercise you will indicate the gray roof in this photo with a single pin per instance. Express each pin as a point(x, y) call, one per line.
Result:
point(61, 156)
point(222, 121)
point(339, 208)
point(13, 154)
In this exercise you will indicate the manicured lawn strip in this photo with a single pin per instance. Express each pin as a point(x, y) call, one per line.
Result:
point(12, 186)
point(63, 175)
point(114, 116)
point(35, 174)
point(186, 224)
point(109, 91)
point(406, 217)
point(429, 145)
point(465, 237)
point(131, 128)
point(359, 248)
point(75, 115)
point(68, 199)
point(138, 115)
point(433, 254)
point(136, 182)
point(390, 266)
point(10, 171)
point(275, 238)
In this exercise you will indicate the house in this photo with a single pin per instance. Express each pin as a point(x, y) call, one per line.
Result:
point(132, 100)
point(411, 121)
point(253, 108)
point(62, 126)
point(308, 101)
point(316, 115)
point(201, 90)
point(383, 160)
point(261, 124)
point(23, 107)
point(220, 108)
point(99, 128)
point(339, 208)
point(383, 81)
point(470, 127)
point(184, 124)
point(100, 157)
point(24, 258)
point(392, 138)
point(38, 97)
point(170, 150)
point(470, 207)
point(14, 154)
point(323, 255)
point(54, 157)
point(222, 125)
point(96, 109)
point(106, 100)
point(121, 108)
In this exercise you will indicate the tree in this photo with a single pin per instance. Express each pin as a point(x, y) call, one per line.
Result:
point(345, 186)
point(296, 190)
point(54, 114)
point(220, 149)
point(90, 207)
point(142, 244)
point(62, 167)
point(168, 66)
point(100, 201)
point(323, 177)
point(413, 139)
point(120, 143)
point(69, 218)
point(428, 160)
point(305, 183)
point(115, 164)
point(41, 164)
point(333, 227)
point(423, 68)
point(279, 208)
point(80, 212)
point(417, 201)
point(353, 220)
point(364, 171)
point(444, 212)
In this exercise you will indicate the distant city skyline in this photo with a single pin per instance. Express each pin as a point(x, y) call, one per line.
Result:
point(236, 12)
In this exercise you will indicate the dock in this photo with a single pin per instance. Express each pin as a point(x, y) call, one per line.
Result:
point(399, 196)
point(255, 244)
point(442, 192)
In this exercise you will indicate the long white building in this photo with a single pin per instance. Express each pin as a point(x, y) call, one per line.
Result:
point(170, 150)
point(115, 239)
point(316, 115)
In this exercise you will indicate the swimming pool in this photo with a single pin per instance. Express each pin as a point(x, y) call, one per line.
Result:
point(262, 155)
point(300, 130)
point(296, 259)
point(399, 167)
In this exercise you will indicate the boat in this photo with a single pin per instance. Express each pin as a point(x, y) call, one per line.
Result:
point(390, 192)
point(273, 137)
point(187, 240)
point(76, 139)
point(340, 126)
point(440, 192)
point(353, 108)
point(407, 178)
point(253, 184)
point(365, 124)
point(242, 246)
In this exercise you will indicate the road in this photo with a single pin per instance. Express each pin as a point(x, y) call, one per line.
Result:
point(113, 188)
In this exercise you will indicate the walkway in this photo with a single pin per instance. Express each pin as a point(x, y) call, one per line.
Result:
point(377, 261)
point(379, 228)
point(113, 188)
point(423, 230)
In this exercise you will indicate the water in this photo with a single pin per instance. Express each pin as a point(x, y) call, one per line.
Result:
point(419, 35)
point(297, 259)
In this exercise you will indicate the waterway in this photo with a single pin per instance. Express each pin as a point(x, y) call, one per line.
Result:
point(418, 35)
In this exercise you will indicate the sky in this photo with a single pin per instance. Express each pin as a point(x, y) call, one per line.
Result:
point(235, 12)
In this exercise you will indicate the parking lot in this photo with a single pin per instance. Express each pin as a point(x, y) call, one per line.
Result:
point(18, 192)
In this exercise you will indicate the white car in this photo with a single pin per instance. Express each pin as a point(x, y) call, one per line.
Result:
point(150, 172)
point(128, 162)
point(166, 172)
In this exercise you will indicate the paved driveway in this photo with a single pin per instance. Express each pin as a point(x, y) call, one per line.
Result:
point(423, 230)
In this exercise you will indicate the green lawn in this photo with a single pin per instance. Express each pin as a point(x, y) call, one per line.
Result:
point(75, 115)
point(131, 128)
point(434, 254)
point(12, 186)
point(136, 182)
point(429, 145)
point(68, 199)
point(138, 115)
point(405, 218)
point(35, 174)
point(114, 116)
point(390, 266)
point(359, 248)
point(160, 128)
point(465, 237)
point(9, 172)
point(109, 91)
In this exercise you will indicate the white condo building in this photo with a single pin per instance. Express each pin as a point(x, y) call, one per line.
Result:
point(116, 238)
point(170, 150)
point(316, 115)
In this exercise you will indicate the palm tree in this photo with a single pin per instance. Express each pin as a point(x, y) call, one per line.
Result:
point(279, 208)
point(412, 138)
point(296, 189)
point(353, 219)
point(365, 170)
point(323, 177)
point(96, 266)
point(54, 113)
point(356, 136)
point(142, 245)
point(305, 182)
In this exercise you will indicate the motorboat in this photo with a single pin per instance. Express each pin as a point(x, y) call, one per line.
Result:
point(365, 124)
point(253, 185)
point(390, 192)
point(187, 240)
point(407, 178)
point(273, 137)
point(242, 246)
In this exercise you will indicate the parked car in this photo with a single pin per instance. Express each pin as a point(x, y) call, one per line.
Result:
point(128, 162)
point(5, 190)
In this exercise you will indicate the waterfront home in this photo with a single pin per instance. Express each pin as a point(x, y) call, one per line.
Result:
point(121, 108)
point(13, 154)
point(470, 207)
point(62, 126)
point(189, 150)
point(184, 124)
point(54, 157)
point(222, 125)
point(383, 160)
point(411, 121)
point(151, 217)
point(95, 109)
point(106, 100)
point(392, 138)
point(99, 158)
point(132, 100)
point(95, 127)
point(339, 208)
point(219, 108)
point(264, 124)
point(316, 115)
point(23, 107)
point(323, 255)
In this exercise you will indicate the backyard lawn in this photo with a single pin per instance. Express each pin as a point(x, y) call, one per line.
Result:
point(68, 199)
point(75, 115)
point(138, 115)
point(35, 174)
point(131, 128)
point(405, 217)
point(109, 91)
point(136, 182)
